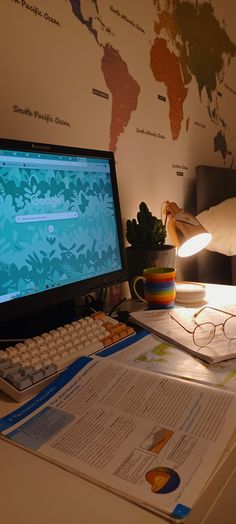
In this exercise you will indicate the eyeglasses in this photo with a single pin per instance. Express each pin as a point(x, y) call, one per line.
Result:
point(204, 332)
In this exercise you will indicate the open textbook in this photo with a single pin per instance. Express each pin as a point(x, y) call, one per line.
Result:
point(161, 323)
point(152, 439)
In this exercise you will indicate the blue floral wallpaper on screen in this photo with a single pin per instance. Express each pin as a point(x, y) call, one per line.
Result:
point(57, 227)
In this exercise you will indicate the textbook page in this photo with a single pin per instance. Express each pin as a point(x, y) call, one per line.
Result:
point(152, 439)
point(161, 323)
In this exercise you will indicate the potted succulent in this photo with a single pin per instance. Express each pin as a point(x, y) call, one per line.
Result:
point(146, 236)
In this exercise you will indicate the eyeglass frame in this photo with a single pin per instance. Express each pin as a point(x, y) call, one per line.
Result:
point(231, 315)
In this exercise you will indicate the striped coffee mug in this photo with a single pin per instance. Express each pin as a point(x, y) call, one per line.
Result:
point(159, 287)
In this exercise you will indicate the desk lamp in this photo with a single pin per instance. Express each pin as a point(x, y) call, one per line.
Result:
point(190, 237)
point(186, 233)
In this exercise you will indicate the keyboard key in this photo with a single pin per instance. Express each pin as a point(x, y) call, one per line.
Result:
point(37, 376)
point(22, 383)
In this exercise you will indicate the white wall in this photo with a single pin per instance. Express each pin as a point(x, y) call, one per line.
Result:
point(51, 67)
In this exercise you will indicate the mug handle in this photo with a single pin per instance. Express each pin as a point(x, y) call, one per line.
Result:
point(135, 280)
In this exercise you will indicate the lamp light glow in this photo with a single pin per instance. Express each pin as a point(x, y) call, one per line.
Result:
point(194, 245)
point(186, 232)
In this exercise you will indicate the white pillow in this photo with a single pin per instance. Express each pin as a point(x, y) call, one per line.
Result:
point(220, 221)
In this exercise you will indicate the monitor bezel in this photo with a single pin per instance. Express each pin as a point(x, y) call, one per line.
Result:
point(34, 303)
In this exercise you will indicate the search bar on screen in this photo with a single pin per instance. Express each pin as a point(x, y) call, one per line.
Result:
point(21, 219)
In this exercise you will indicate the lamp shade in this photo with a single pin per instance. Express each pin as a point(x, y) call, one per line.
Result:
point(186, 232)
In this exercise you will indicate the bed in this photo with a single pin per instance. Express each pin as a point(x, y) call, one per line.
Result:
point(216, 189)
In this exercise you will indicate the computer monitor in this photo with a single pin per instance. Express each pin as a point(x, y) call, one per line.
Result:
point(60, 222)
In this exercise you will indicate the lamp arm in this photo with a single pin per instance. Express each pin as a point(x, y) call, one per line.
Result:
point(170, 209)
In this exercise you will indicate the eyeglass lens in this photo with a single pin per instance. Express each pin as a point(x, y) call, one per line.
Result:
point(203, 334)
point(230, 327)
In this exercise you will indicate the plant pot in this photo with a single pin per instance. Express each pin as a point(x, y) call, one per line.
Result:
point(138, 260)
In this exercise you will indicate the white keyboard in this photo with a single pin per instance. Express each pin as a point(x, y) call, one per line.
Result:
point(29, 366)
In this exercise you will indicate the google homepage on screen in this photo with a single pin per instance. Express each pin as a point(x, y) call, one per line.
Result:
point(57, 221)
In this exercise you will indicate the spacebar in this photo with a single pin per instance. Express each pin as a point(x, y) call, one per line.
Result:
point(66, 360)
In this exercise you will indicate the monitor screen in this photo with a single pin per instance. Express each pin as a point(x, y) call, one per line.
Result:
point(61, 229)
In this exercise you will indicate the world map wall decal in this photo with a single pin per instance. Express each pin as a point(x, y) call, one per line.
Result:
point(190, 45)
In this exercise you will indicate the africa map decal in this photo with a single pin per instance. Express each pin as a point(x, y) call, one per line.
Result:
point(190, 46)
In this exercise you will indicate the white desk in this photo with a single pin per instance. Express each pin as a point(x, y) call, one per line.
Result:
point(33, 491)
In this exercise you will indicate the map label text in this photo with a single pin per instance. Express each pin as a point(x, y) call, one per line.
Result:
point(46, 117)
point(36, 11)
